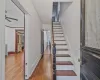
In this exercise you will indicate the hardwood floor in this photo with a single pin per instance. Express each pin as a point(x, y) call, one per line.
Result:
point(14, 67)
point(44, 68)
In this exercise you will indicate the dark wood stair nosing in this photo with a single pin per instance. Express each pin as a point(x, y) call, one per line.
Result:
point(64, 63)
point(65, 73)
point(63, 55)
point(57, 28)
point(58, 36)
point(61, 44)
point(62, 49)
point(59, 40)
point(58, 33)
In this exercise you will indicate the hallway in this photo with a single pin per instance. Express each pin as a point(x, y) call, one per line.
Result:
point(43, 70)
point(37, 17)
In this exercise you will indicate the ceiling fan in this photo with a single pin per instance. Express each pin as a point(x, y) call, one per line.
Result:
point(10, 18)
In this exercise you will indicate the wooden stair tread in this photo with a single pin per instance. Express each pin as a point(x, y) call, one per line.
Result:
point(62, 55)
point(58, 36)
point(64, 63)
point(61, 44)
point(58, 33)
point(59, 40)
point(65, 73)
point(57, 28)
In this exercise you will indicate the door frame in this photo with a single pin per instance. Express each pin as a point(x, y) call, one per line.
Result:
point(42, 42)
point(16, 46)
point(25, 13)
point(2, 40)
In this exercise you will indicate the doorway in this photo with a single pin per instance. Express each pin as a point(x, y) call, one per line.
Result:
point(14, 41)
point(47, 40)
point(42, 42)
point(19, 37)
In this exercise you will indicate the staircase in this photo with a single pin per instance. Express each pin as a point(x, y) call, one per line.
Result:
point(63, 61)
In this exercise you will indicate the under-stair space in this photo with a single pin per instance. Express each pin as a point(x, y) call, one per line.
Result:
point(64, 66)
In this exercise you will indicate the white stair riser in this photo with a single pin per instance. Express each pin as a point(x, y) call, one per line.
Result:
point(62, 52)
point(62, 47)
point(60, 42)
point(58, 34)
point(63, 59)
point(56, 23)
point(59, 38)
point(64, 67)
point(57, 30)
point(57, 26)
point(67, 78)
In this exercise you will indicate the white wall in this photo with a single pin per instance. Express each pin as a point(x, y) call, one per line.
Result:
point(44, 9)
point(2, 41)
point(33, 28)
point(47, 27)
point(14, 12)
point(47, 38)
point(34, 42)
point(70, 21)
point(10, 38)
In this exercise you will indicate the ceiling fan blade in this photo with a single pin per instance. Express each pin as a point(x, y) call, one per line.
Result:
point(12, 18)
point(8, 20)
point(5, 11)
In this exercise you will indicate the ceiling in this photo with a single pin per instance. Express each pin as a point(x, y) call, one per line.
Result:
point(14, 12)
point(44, 10)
